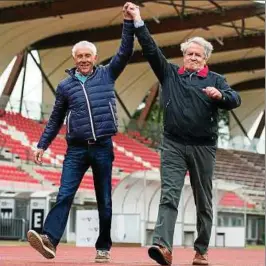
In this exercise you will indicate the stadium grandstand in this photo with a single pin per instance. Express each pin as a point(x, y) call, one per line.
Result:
point(36, 42)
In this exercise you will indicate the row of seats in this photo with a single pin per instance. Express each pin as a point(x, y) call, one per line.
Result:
point(256, 159)
point(138, 149)
point(33, 131)
point(231, 199)
point(136, 135)
point(55, 176)
point(12, 173)
point(230, 165)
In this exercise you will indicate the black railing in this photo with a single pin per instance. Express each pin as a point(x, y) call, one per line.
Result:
point(13, 229)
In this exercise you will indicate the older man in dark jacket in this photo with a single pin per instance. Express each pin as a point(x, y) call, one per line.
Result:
point(191, 97)
point(87, 99)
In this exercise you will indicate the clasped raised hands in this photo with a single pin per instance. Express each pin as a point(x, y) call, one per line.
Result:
point(131, 11)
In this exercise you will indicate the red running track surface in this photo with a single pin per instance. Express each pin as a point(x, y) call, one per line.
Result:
point(121, 256)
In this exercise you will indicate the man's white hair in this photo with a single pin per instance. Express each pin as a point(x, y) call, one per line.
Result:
point(208, 48)
point(86, 44)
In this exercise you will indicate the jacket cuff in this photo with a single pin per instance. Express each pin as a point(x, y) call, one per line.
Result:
point(138, 23)
point(41, 146)
point(141, 30)
point(223, 99)
point(129, 23)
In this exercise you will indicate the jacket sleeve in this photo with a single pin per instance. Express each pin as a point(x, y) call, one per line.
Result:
point(152, 53)
point(230, 98)
point(120, 60)
point(55, 121)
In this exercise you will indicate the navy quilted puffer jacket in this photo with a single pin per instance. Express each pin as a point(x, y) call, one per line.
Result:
point(90, 107)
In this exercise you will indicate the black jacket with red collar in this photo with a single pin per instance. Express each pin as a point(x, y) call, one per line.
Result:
point(190, 116)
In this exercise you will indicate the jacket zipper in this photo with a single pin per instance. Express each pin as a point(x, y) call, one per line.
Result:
point(113, 115)
point(167, 104)
point(190, 76)
point(89, 109)
point(68, 120)
point(165, 110)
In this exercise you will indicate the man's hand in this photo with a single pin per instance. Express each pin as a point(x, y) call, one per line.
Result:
point(132, 10)
point(213, 93)
point(38, 156)
point(125, 14)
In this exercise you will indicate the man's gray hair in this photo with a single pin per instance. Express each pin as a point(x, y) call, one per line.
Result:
point(86, 44)
point(208, 48)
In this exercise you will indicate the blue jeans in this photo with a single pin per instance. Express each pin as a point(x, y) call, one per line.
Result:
point(78, 159)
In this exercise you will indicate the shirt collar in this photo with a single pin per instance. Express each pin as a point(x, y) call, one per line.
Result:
point(82, 75)
point(202, 73)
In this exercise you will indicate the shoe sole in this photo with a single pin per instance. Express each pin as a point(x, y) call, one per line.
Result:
point(37, 243)
point(156, 255)
point(102, 261)
point(200, 264)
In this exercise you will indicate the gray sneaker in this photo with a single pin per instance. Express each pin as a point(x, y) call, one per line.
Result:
point(42, 244)
point(103, 256)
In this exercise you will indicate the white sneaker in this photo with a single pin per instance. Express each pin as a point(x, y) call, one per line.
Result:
point(103, 256)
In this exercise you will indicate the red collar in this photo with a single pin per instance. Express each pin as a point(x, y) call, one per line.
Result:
point(202, 73)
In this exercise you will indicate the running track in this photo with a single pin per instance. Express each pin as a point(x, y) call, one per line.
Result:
point(124, 256)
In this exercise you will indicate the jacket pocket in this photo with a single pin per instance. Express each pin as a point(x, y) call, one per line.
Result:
point(113, 114)
point(68, 122)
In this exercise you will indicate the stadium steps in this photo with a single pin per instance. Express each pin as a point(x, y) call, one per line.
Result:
point(20, 125)
point(54, 178)
point(131, 162)
point(17, 142)
point(55, 153)
point(238, 200)
point(245, 168)
point(253, 159)
point(30, 170)
point(28, 131)
point(139, 152)
point(3, 158)
point(26, 168)
point(14, 173)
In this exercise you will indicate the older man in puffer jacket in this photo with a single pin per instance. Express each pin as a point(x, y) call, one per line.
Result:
point(87, 99)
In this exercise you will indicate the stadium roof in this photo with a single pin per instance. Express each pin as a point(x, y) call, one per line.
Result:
point(236, 29)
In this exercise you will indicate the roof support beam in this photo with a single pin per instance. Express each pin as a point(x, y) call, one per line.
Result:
point(12, 80)
point(239, 124)
point(261, 18)
point(248, 64)
point(122, 105)
point(23, 80)
point(260, 126)
point(258, 83)
point(230, 43)
point(44, 9)
point(216, 5)
point(51, 87)
point(148, 105)
point(168, 24)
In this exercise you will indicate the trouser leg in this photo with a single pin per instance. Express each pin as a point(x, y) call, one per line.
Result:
point(74, 168)
point(173, 171)
point(201, 168)
point(102, 162)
